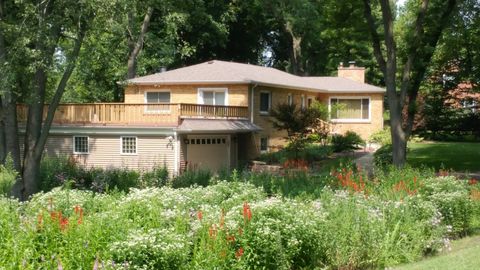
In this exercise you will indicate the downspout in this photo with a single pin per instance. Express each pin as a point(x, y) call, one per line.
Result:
point(252, 103)
point(176, 154)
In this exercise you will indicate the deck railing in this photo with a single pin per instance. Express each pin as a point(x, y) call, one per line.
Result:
point(136, 114)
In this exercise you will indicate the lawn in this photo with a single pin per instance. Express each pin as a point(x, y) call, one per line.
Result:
point(458, 156)
point(464, 253)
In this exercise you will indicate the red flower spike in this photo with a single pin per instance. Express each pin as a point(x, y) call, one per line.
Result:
point(239, 253)
point(199, 215)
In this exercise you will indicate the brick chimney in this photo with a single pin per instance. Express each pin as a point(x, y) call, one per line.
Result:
point(352, 72)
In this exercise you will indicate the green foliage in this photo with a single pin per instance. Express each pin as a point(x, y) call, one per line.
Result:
point(8, 176)
point(451, 198)
point(382, 137)
point(192, 177)
point(310, 153)
point(383, 157)
point(348, 142)
point(157, 177)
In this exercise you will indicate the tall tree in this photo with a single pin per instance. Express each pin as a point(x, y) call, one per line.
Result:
point(51, 33)
point(432, 17)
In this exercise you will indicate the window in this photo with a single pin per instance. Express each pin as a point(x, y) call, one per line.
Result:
point(160, 101)
point(263, 144)
point(356, 109)
point(213, 96)
point(129, 145)
point(80, 144)
point(290, 99)
point(309, 102)
point(265, 102)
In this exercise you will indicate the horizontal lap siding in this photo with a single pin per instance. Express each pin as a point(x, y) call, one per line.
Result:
point(105, 152)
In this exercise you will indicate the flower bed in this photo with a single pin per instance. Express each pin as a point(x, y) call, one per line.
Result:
point(352, 224)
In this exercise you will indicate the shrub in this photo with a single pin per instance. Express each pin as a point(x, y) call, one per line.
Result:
point(157, 177)
point(383, 157)
point(54, 171)
point(382, 137)
point(349, 141)
point(191, 177)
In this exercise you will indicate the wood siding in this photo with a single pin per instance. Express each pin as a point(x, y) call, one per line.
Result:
point(237, 93)
point(105, 152)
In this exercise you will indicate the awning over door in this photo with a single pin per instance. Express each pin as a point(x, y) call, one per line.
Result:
point(217, 125)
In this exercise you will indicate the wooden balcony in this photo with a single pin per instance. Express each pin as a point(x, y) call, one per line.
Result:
point(136, 114)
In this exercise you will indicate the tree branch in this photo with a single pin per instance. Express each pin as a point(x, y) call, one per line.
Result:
point(377, 51)
point(413, 51)
point(138, 44)
point(61, 87)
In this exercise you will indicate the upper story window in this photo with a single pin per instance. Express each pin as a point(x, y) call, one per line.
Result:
point(128, 145)
point(350, 109)
point(160, 101)
point(265, 102)
point(213, 96)
point(80, 144)
point(290, 99)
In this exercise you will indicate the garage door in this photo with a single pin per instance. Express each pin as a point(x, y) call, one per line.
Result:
point(208, 151)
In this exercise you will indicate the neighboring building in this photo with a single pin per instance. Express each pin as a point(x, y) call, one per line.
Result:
point(214, 114)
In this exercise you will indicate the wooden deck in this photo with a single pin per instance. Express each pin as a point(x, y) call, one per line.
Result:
point(136, 114)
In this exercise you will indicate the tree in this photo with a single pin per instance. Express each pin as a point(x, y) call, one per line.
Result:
point(40, 45)
point(431, 18)
point(297, 122)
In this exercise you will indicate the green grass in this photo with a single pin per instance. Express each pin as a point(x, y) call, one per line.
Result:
point(458, 156)
point(464, 255)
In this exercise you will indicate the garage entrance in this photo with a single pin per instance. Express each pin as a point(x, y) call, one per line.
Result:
point(208, 151)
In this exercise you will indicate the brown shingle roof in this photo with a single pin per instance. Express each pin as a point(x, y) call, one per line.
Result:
point(216, 72)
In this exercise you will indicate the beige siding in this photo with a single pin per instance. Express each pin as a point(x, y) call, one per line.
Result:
point(105, 152)
point(237, 93)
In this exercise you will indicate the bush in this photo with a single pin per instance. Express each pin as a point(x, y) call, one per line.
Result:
point(191, 177)
point(157, 177)
point(382, 137)
point(349, 141)
point(383, 157)
point(310, 153)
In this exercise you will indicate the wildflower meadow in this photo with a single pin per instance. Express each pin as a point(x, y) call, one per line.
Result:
point(350, 222)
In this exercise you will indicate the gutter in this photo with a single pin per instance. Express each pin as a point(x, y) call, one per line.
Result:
point(252, 103)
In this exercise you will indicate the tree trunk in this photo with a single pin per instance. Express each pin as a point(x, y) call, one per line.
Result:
point(3, 146)
point(296, 52)
point(136, 46)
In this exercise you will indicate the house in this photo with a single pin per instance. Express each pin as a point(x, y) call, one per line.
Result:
point(214, 114)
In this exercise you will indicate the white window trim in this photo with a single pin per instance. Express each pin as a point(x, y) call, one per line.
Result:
point(156, 111)
point(88, 145)
point(351, 120)
point(212, 89)
point(269, 102)
point(303, 104)
point(268, 144)
point(290, 99)
point(121, 146)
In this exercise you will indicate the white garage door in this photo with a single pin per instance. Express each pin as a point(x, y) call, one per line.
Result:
point(208, 151)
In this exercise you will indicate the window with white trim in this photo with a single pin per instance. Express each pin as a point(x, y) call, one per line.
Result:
point(159, 101)
point(129, 145)
point(265, 102)
point(290, 99)
point(350, 109)
point(80, 144)
point(263, 144)
point(213, 96)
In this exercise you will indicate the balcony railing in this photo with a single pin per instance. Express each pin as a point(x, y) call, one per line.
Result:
point(136, 114)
